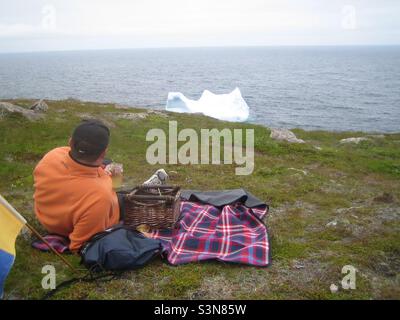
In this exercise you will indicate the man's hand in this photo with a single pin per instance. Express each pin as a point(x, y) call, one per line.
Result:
point(114, 169)
point(107, 169)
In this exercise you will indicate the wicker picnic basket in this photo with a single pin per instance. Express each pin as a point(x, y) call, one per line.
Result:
point(157, 207)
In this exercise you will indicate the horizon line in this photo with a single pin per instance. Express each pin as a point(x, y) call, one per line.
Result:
point(201, 47)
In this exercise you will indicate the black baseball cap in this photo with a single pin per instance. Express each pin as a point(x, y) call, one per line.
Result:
point(90, 139)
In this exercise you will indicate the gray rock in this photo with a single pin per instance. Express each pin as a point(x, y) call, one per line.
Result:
point(299, 170)
point(347, 210)
point(332, 224)
point(135, 116)
point(6, 107)
point(158, 113)
point(334, 288)
point(285, 135)
point(8, 158)
point(354, 140)
point(40, 106)
point(130, 116)
point(298, 265)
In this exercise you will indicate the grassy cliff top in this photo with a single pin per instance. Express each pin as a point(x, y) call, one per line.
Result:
point(331, 205)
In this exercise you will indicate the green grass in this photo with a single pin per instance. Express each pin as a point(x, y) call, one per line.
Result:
point(306, 187)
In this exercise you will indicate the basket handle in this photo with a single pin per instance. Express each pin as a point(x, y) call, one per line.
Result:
point(167, 189)
point(155, 186)
point(134, 197)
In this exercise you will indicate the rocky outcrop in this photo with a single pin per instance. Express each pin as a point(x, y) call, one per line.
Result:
point(354, 140)
point(285, 135)
point(158, 113)
point(136, 115)
point(40, 106)
point(130, 116)
point(376, 136)
point(6, 107)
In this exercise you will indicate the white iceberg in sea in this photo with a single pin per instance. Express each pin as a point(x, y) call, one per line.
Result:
point(228, 107)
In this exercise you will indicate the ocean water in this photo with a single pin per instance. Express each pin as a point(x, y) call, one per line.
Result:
point(330, 88)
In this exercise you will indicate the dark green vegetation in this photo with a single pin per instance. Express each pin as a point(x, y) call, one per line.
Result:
point(307, 187)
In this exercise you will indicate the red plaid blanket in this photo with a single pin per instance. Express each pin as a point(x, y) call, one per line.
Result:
point(59, 243)
point(233, 233)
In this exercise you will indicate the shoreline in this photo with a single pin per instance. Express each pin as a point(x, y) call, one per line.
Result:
point(162, 109)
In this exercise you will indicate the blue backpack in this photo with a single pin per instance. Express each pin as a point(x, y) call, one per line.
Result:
point(118, 249)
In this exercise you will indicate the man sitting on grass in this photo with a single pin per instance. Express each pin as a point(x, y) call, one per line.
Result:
point(73, 193)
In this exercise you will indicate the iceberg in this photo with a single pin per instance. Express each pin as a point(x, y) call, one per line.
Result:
point(227, 107)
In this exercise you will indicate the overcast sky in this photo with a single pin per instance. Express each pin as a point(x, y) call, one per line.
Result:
point(36, 25)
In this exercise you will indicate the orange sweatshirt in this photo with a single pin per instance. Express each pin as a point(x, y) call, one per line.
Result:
point(72, 199)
